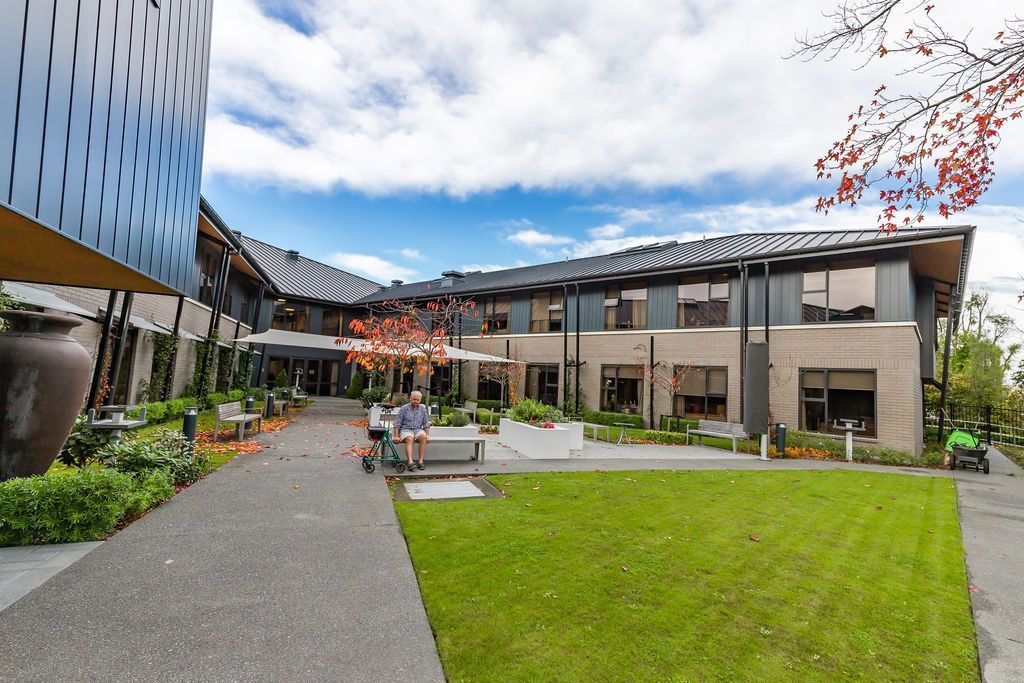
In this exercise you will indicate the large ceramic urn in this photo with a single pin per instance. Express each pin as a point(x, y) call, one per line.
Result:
point(44, 374)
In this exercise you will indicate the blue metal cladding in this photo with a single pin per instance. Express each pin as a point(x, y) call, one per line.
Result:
point(102, 112)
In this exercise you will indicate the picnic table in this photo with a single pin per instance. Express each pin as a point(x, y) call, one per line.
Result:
point(623, 426)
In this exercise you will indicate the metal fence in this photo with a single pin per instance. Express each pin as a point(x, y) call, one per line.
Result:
point(1000, 423)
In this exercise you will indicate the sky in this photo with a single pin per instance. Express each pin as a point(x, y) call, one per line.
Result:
point(397, 139)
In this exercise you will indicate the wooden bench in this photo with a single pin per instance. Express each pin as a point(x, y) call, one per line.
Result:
point(726, 430)
point(468, 409)
point(299, 395)
point(594, 428)
point(280, 407)
point(232, 412)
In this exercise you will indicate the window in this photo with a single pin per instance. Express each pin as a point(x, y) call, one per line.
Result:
point(622, 388)
point(828, 398)
point(402, 380)
point(331, 323)
point(839, 292)
point(546, 312)
point(703, 301)
point(209, 263)
point(489, 390)
point(290, 316)
point(625, 306)
point(441, 380)
point(542, 383)
point(702, 394)
point(496, 313)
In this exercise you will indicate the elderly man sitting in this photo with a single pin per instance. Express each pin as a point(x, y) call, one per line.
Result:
point(412, 423)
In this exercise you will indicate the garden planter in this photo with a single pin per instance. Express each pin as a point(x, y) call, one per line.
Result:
point(44, 374)
point(575, 434)
point(535, 442)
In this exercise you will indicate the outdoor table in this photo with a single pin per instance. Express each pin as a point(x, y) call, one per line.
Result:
point(116, 422)
point(622, 432)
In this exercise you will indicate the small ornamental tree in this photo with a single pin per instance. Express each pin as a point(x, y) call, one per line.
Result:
point(660, 375)
point(934, 146)
point(507, 375)
point(403, 335)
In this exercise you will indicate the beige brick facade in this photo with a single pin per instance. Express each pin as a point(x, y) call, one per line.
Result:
point(892, 350)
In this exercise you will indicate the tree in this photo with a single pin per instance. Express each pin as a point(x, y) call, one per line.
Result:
point(935, 145)
point(508, 375)
point(402, 335)
point(660, 375)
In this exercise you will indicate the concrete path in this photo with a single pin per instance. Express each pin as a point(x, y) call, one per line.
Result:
point(283, 565)
point(25, 568)
point(992, 520)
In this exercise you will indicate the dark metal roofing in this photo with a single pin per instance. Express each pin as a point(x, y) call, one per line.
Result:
point(218, 223)
point(667, 256)
point(302, 277)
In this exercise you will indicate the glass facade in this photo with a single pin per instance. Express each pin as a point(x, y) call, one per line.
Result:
point(542, 383)
point(622, 389)
point(546, 311)
point(290, 316)
point(828, 398)
point(625, 306)
point(331, 324)
point(703, 301)
point(840, 292)
point(702, 395)
point(316, 376)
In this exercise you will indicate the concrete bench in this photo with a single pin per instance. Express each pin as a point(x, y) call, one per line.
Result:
point(232, 412)
point(595, 428)
point(725, 430)
point(468, 409)
point(479, 443)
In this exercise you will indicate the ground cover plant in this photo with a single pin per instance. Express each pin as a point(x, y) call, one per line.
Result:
point(810, 575)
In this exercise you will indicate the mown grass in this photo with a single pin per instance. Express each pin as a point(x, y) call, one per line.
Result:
point(818, 575)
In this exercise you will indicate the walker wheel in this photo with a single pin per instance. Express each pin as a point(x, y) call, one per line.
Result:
point(369, 466)
point(399, 467)
point(986, 465)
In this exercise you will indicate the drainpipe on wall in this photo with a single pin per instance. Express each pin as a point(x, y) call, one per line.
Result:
point(565, 356)
point(743, 330)
point(650, 408)
point(576, 396)
point(101, 353)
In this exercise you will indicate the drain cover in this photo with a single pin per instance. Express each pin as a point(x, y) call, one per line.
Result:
point(441, 490)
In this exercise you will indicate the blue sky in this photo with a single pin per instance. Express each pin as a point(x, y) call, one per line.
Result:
point(482, 134)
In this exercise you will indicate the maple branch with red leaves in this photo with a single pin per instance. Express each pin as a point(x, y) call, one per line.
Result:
point(935, 146)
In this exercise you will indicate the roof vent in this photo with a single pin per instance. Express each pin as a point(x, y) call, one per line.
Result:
point(453, 273)
point(644, 247)
point(397, 283)
point(293, 255)
point(447, 281)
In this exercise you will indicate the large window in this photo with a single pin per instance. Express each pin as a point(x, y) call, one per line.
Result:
point(496, 313)
point(703, 301)
point(625, 306)
point(546, 311)
point(290, 316)
point(829, 398)
point(702, 394)
point(839, 292)
point(542, 383)
point(331, 323)
point(441, 380)
point(622, 388)
point(489, 390)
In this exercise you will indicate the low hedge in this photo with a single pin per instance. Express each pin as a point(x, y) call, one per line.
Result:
point(601, 418)
point(166, 411)
point(86, 506)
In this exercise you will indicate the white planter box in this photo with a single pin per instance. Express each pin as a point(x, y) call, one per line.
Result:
point(536, 442)
point(575, 434)
point(374, 419)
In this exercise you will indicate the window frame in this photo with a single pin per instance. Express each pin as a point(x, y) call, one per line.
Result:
point(827, 268)
point(707, 394)
point(710, 280)
point(824, 400)
point(488, 314)
point(617, 306)
point(604, 389)
point(546, 321)
point(275, 316)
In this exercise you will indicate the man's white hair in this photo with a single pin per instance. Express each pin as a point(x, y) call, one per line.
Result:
point(416, 394)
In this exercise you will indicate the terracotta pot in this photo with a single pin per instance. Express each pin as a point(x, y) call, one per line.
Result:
point(44, 374)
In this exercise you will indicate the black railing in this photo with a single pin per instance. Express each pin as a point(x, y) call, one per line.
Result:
point(997, 423)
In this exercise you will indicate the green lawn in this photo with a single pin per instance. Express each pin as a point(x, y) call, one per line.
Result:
point(657, 576)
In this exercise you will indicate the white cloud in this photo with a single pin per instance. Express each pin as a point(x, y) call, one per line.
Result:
point(373, 267)
point(488, 267)
point(608, 231)
point(473, 96)
point(536, 239)
point(411, 254)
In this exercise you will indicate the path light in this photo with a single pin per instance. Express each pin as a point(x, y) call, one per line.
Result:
point(190, 422)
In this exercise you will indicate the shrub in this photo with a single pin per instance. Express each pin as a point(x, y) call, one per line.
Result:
point(64, 509)
point(84, 445)
point(216, 399)
point(399, 399)
point(156, 412)
point(151, 489)
point(489, 404)
point(258, 393)
point(236, 395)
point(457, 420)
point(376, 394)
point(529, 410)
point(601, 418)
point(663, 437)
point(167, 450)
point(281, 380)
point(355, 389)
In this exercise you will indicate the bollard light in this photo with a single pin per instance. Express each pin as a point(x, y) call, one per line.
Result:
point(190, 423)
point(268, 407)
point(250, 404)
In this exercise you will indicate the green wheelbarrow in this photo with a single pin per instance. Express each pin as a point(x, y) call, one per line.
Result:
point(966, 449)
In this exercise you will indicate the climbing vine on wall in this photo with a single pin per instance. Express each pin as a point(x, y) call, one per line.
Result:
point(243, 374)
point(202, 376)
point(164, 346)
point(225, 364)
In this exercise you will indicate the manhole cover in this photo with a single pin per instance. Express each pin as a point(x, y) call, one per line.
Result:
point(441, 490)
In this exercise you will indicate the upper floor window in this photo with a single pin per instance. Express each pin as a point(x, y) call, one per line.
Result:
point(208, 265)
point(332, 322)
point(496, 312)
point(625, 306)
point(290, 316)
point(703, 301)
point(839, 292)
point(546, 311)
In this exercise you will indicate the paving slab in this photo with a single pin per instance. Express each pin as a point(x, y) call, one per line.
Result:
point(295, 569)
point(25, 568)
point(992, 521)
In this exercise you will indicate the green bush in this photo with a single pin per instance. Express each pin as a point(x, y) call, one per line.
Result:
point(399, 399)
point(236, 395)
point(258, 393)
point(166, 450)
point(671, 424)
point(151, 489)
point(84, 445)
point(456, 420)
point(662, 437)
point(156, 412)
point(56, 508)
point(281, 380)
point(376, 394)
point(216, 399)
point(528, 410)
point(601, 418)
point(355, 388)
point(488, 403)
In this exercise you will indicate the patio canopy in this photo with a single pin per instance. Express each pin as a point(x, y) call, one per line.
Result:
point(304, 340)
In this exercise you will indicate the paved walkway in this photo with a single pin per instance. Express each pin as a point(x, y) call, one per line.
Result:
point(24, 568)
point(283, 565)
point(992, 520)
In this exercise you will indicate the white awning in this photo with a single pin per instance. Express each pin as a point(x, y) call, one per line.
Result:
point(143, 324)
point(305, 340)
point(40, 298)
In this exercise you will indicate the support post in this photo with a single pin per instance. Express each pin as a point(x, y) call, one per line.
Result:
point(764, 447)
point(122, 332)
point(101, 353)
point(173, 361)
point(565, 357)
point(743, 332)
point(576, 373)
point(218, 295)
point(650, 394)
point(988, 423)
point(953, 302)
point(766, 302)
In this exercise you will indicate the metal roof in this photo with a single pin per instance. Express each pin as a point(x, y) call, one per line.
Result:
point(291, 274)
point(664, 256)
